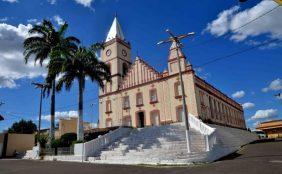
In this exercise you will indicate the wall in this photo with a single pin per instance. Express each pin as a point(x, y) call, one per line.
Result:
point(19, 143)
point(216, 107)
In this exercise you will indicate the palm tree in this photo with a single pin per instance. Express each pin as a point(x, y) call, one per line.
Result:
point(82, 64)
point(41, 45)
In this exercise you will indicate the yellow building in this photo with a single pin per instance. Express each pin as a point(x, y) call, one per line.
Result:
point(69, 125)
point(139, 95)
point(273, 129)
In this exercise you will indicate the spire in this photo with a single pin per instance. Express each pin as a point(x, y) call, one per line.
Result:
point(115, 31)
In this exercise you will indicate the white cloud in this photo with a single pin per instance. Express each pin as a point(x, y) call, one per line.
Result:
point(221, 25)
point(255, 124)
point(59, 20)
point(231, 19)
point(7, 83)
point(52, 1)
point(279, 97)
point(11, 56)
point(275, 85)
point(4, 19)
point(10, 1)
point(238, 94)
point(32, 20)
point(62, 114)
point(85, 3)
point(248, 105)
point(265, 114)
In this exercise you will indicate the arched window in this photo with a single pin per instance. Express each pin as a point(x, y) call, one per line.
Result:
point(124, 69)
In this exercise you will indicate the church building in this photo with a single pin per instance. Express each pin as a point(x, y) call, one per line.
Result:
point(140, 96)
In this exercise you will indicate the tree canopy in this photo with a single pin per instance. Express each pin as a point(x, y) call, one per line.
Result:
point(23, 127)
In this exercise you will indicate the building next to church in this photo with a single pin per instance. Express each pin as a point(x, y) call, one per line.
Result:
point(139, 95)
point(273, 129)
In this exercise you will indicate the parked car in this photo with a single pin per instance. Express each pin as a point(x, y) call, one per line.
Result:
point(261, 134)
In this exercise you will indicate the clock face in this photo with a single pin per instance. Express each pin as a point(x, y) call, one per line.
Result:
point(108, 52)
point(124, 53)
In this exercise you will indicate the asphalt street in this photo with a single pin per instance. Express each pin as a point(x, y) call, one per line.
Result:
point(258, 158)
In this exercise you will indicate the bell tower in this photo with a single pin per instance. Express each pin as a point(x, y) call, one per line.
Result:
point(172, 59)
point(116, 54)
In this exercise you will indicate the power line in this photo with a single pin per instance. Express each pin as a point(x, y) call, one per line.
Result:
point(236, 29)
point(213, 60)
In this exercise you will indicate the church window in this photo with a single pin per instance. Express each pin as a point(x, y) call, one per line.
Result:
point(139, 99)
point(177, 89)
point(126, 104)
point(153, 96)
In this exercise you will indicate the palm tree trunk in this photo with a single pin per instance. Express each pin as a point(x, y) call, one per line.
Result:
point(52, 128)
point(80, 131)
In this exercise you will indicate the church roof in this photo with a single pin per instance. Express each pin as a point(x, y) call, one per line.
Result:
point(115, 31)
point(139, 73)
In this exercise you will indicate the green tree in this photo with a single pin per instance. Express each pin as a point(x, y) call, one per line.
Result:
point(23, 127)
point(45, 42)
point(84, 63)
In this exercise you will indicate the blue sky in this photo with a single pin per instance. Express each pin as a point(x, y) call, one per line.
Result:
point(251, 78)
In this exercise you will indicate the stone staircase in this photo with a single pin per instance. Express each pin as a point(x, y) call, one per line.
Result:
point(229, 140)
point(154, 145)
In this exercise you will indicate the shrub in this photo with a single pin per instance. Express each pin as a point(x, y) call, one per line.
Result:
point(55, 143)
point(67, 139)
point(42, 139)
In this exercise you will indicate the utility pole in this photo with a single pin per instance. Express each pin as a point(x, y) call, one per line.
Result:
point(41, 87)
point(177, 39)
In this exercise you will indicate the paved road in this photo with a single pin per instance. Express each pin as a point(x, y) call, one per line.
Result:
point(260, 158)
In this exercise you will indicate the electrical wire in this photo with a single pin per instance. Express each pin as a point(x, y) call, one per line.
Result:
point(213, 60)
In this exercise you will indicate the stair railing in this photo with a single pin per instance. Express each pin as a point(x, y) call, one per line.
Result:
point(91, 147)
point(204, 129)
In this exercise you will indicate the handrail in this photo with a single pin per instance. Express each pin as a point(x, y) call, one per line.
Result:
point(93, 146)
point(198, 125)
point(204, 129)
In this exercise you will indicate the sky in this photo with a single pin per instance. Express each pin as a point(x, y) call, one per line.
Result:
point(252, 76)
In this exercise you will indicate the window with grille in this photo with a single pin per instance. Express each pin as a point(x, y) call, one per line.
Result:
point(139, 99)
point(126, 104)
point(153, 96)
point(177, 89)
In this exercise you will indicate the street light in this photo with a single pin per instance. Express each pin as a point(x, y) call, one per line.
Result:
point(40, 86)
point(177, 39)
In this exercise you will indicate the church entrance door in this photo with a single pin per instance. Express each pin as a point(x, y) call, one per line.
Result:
point(141, 119)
